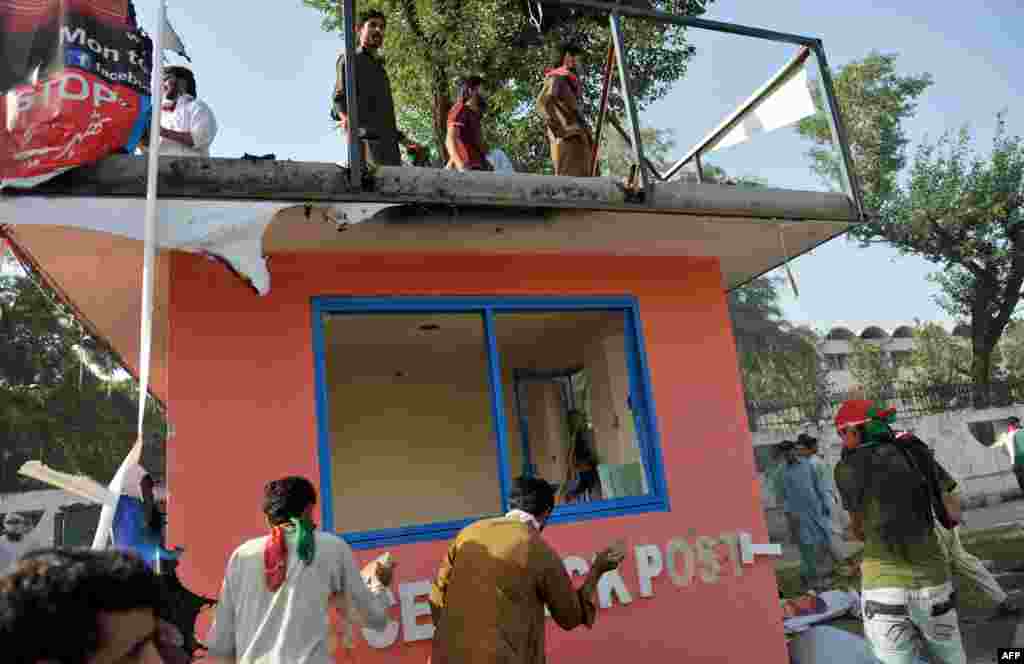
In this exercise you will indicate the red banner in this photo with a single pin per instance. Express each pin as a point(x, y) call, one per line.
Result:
point(75, 80)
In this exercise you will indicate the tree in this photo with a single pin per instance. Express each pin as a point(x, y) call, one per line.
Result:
point(54, 406)
point(616, 155)
point(966, 214)
point(437, 41)
point(780, 364)
point(938, 358)
point(872, 369)
point(1012, 347)
point(873, 101)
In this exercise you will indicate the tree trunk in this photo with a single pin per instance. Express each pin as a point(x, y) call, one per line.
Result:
point(440, 107)
point(981, 369)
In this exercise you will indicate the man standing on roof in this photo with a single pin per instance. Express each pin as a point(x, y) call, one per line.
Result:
point(909, 606)
point(561, 105)
point(1013, 442)
point(187, 125)
point(465, 143)
point(378, 129)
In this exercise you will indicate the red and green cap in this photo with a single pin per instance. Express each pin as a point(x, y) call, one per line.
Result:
point(863, 411)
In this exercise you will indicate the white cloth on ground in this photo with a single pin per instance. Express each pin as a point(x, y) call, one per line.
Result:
point(253, 625)
point(838, 603)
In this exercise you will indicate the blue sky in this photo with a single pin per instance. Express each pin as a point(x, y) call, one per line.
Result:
point(267, 70)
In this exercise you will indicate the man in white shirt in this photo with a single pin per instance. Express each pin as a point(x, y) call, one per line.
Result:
point(277, 589)
point(187, 125)
point(20, 537)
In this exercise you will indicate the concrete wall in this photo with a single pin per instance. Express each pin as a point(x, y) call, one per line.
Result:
point(984, 473)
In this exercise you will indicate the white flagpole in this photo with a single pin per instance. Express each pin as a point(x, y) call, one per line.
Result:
point(103, 529)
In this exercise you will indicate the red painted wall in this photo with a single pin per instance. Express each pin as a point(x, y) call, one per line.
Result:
point(241, 387)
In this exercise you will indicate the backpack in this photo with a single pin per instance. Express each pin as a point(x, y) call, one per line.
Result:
point(921, 458)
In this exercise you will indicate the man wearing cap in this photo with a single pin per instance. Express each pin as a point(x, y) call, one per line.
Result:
point(909, 606)
point(1013, 441)
point(805, 500)
point(187, 125)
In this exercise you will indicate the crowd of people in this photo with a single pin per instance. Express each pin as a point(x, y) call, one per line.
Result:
point(499, 576)
point(188, 125)
point(488, 600)
point(905, 509)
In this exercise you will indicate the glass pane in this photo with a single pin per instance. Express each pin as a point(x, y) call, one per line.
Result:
point(409, 412)
point(567, 392)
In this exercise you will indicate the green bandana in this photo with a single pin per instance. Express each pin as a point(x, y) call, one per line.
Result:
point(879, 425)
point(302, 534)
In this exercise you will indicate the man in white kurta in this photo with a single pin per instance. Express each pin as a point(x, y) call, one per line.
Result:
point(289, 624)
point(187, 125)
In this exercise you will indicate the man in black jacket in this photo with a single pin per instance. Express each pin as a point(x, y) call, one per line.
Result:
point(378, 129)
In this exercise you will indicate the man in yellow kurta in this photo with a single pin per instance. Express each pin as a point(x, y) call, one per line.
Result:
point(560, 105)
point(491, 589)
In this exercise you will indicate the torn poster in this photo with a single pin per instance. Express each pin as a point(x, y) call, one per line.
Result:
point(74, 75)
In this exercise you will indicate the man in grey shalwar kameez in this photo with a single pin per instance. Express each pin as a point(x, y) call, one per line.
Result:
point(805, 498)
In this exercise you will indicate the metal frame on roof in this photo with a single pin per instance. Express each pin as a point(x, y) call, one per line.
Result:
point(850, 184)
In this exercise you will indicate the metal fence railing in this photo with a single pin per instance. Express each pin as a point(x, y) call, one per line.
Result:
point(909, 401)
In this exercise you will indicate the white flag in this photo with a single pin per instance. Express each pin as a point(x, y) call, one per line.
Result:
point(171, 41)
point(789, 104)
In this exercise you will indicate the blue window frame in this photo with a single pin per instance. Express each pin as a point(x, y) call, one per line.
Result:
point(641, 402)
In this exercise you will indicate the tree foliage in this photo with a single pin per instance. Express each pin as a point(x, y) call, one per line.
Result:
point(779, 363)
point(616, 154)
point(938, 358)
point(872, 369)
point(56, 404)
point(966, 214)
point(873, 100)
point(430, 43)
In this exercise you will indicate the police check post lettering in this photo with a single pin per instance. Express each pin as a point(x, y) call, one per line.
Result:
point(684, 561)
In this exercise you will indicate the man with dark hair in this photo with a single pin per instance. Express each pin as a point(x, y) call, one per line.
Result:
point(489, 596)
point(102, 604)
point(187, 125)
point(1013, 442)
point(465, 143)
point(889, 488)
point(277, 589)
point(805, 499)
point(560, 104)
point(378, 129)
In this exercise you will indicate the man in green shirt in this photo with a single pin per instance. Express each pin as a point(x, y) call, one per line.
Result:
point(909, 606)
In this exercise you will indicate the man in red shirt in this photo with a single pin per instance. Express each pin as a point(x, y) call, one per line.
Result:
point(465, 139)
